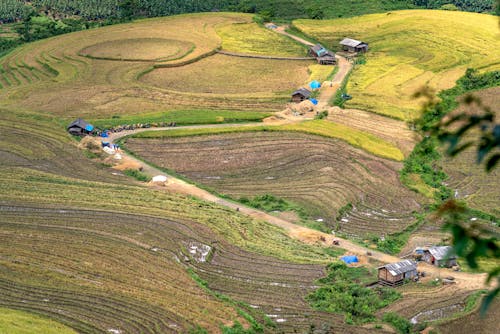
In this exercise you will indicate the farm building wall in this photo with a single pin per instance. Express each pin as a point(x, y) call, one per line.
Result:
point(297, 98)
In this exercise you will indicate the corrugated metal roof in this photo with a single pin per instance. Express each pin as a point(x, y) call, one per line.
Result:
point(442, 252)
point(302, 91)
point(79, 123)
point(350, 42)
point(400, 267)
point(320, 51)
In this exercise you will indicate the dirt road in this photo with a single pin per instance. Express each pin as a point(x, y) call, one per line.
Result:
point(327, 91)
point(307, 235)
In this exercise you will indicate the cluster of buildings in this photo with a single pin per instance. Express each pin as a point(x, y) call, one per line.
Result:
point(327, 57)
point(395, 274)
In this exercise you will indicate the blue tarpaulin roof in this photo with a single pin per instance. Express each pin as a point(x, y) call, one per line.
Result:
point(350, 259)
point(89, 127)
point(314, 101)
point(314, 84)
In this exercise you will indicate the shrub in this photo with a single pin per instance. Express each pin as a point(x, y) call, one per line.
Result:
point(137, 175)
point(341, 292)
point(402, 325)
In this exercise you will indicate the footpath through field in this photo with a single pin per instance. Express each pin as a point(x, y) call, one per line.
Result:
point(304, 234)
point(326, 92)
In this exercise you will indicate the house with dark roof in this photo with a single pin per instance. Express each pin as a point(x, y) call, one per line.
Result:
point(395, 274)
point(440, 256)
point(353, 45)
point(300, 95)
point(80, 128)
point(322, 55)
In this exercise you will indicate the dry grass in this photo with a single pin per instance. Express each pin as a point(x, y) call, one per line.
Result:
point(251, 38)
point(410, 49)
point(223, 75)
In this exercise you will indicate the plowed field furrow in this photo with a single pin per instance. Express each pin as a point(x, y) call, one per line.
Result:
point(71, 308)
point(320, 174)
point(97, 249)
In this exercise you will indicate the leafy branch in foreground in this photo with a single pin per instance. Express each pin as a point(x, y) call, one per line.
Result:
point(474, 127)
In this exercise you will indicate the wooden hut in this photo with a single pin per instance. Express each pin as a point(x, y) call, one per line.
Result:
point(323, 55)
point(80, 128)
point(394, 274)
point(440, 256)
point(352, 45)
point(300, 95)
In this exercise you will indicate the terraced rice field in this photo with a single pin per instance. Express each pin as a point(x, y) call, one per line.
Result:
point(221, 74)
point(393, 131)
point(479, 189)
point(95, 73)
point(322, 175)
point(324, 128)
point(408, 51)
point(92, 251)
point(139, 49)
point(250, 38)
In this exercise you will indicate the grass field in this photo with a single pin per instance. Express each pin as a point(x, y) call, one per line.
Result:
point(184, 117)
point(251, 38)
point(407, 52)
point(17, 322)
point(321, 175)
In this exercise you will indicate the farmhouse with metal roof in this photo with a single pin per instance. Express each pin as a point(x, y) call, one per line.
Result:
point(79, 127)
point(440, 256)
point(394, 274)
point(322, 54)
point(352, 45)
point(300, 95)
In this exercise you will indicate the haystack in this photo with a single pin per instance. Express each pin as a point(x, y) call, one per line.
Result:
point(90, 143)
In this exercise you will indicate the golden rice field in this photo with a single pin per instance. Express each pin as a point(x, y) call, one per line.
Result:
point(250, 38)
point(221, 74)
point(95, 73)
point(139, 49)
point(320, 72)
point(408, 50)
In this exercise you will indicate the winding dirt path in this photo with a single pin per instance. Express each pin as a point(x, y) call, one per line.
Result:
point(327, 91)
point(304, 234)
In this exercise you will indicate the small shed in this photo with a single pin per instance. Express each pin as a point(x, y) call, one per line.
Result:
point(394, 274)
point(300, 95)
point(440, 256)
point(80, 128)
point(353, 45)
point(322, 54)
